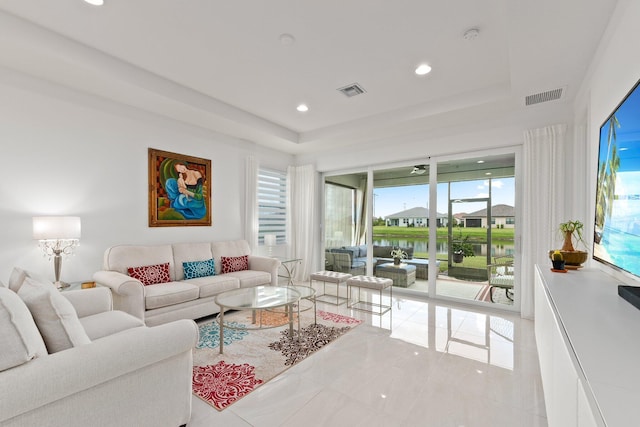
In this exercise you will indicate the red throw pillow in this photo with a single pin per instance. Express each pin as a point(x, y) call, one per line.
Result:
point(234, 263)
point(151, 274)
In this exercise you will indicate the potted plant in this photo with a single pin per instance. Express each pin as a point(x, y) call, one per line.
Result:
point(572, 230)
point(557, 260)
point(398, 255)
point(461, 248)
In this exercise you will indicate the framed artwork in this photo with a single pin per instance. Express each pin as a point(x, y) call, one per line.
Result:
point(179, 190)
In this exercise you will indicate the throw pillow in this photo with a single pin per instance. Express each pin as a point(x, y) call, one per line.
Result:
point(21, 340)
point(193, 269)
point(234, 263)
point(54, 315)
point(151, 274)
point(17, 278)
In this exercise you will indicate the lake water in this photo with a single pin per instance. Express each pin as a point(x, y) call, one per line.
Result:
point(422, 245)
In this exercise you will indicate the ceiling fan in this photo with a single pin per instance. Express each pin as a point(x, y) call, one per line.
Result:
point(419, 169)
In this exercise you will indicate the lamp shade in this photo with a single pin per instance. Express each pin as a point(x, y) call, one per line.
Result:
point(56, 227)
point(270, 239)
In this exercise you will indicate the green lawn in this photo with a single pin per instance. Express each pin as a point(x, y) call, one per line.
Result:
point(475, 234)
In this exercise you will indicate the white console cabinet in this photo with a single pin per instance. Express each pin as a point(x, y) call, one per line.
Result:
point(588, 342)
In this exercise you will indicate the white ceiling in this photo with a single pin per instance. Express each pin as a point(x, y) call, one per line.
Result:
point(220, 64)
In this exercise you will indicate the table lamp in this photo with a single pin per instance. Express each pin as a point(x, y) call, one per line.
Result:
point(57, 236)
point(270, 242)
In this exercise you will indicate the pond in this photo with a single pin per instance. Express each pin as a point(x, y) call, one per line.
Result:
point(422, 245)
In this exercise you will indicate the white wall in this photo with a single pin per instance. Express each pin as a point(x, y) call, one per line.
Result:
point(66, 153)
point(613, 72)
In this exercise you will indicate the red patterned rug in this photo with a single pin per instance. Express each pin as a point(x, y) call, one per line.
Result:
point(253, 357)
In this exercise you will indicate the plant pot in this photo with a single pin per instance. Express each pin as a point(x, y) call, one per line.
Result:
point(458, 257)
point(572, 258)
point(396, 261)
point(558, 265)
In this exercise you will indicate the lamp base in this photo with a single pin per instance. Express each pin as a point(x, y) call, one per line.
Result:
point(60, 284)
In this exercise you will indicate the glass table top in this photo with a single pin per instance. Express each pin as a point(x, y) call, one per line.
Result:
point(287, 260)
point(259, 297)
point(305, 292)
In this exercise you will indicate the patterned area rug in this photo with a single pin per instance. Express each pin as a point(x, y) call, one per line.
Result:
point(253, 357)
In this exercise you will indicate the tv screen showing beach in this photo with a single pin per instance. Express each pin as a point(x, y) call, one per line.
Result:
point(617, 217)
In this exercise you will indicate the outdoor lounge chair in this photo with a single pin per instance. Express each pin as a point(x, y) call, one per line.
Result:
point(501, 275)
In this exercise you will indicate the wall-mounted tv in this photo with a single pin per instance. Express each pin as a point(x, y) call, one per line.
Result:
point(617, 217)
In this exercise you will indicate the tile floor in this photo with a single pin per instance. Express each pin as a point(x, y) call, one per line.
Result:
point(425, 363)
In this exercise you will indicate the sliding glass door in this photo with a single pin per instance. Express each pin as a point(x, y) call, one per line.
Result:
point(450, 221)
point(478, 194)
point(345, 223)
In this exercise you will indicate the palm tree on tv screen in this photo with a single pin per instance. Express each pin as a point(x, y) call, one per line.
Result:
point(607, 176)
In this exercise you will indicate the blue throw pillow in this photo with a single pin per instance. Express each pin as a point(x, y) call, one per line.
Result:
point(193, 269)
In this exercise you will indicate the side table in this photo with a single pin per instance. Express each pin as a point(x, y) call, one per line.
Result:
point(74, 286)
point(289, 265)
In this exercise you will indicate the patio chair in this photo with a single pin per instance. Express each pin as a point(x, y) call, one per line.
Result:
point(501, 275)
point(342, 263)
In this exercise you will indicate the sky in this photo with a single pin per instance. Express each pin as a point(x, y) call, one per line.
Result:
point(392, 200)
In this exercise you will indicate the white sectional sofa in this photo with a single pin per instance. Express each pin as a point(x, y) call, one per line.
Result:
point(179, 298)
point(114, 370)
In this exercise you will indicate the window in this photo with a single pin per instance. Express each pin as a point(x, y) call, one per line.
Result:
point(272, 204)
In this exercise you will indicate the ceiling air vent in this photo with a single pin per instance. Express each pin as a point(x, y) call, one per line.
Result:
point(550, 95)
point(352, 90)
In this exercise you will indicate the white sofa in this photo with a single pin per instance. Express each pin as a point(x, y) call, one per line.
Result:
point(179, 298)
point(126, 374)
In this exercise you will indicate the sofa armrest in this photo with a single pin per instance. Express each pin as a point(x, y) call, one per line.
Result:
point(128, 293)
point(90, 301)
point(263, 263)
point(85, 368)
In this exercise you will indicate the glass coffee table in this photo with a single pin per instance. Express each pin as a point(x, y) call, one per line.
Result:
point(257, 299)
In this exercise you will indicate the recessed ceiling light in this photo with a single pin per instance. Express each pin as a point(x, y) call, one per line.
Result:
point(487, 173)
point(471, 34)
point(423, 69)
point(95, 2)
point(480, 161)
point(302, 108)
point(287, 39)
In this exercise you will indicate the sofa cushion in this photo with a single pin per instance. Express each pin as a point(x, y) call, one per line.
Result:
point(17, 278)
point(194, 269)
point(151, 274)
point(234, 263)
point(108, 323)
point(165, 294)
point(54, 315)
point(250, 278)
point(382, 251)
point(363, 251)
point(228, 248)
point(188, 252)
point(120, 258)
point(213, 285)
point(355, 251)
point(21, 340)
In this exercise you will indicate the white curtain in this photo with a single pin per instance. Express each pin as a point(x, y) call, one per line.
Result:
point(302, 220)
point(251, 203)
point(542, 203)
point(361, 220)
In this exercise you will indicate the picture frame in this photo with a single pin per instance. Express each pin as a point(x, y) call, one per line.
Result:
point(179, 190)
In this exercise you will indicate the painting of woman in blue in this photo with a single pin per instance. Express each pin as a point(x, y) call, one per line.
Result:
point(179, 190)
point(185, 191)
